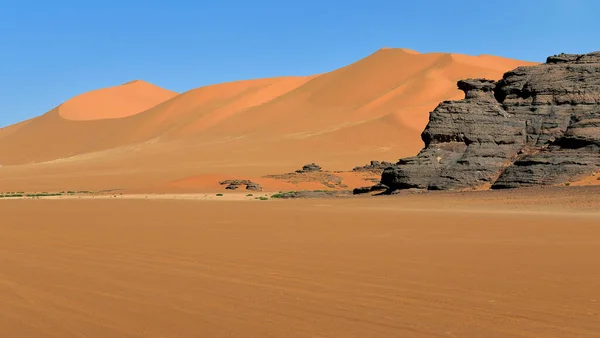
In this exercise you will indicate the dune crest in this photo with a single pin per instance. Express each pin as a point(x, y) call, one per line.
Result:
point(128, 99)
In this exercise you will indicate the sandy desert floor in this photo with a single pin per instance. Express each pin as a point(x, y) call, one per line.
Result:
point(478, 264)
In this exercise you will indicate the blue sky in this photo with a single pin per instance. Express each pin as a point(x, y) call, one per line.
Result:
point(53, 50)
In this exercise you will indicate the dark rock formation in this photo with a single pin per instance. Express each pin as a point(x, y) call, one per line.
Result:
point(374, 166)
point(253, 186)
point(361, 190)
point(234, 184)
point(365, 190)
point(309, 168)
point(539, 125)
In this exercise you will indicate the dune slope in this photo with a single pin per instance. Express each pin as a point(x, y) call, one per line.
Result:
point(374, 108)
point(114, 102)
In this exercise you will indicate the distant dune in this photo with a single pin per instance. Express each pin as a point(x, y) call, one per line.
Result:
point(138, 135)
point(121, 101)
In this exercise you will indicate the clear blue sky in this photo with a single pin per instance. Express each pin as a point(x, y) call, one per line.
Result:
point(53, 50)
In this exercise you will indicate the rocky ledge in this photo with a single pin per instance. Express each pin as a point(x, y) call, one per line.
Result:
point(373, 166)
point(538, 125)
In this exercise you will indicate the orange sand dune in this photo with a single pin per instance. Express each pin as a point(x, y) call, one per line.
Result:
point(114, 102)
point(138, 135)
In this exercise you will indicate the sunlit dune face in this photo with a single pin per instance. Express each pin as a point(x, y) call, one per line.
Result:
point(114, 102)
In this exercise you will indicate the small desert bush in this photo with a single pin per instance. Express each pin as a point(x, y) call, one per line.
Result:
point(288, 194)
point(43, 194)
point(219, 194)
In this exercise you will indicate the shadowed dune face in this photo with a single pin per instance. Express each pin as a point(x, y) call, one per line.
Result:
point(375, 108)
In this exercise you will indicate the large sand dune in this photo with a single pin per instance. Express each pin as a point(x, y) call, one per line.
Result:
point(138, 135)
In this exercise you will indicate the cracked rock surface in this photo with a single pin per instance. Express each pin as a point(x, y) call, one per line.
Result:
point(538, 125)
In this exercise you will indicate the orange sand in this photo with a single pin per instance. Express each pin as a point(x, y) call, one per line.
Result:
point(138, 136)
point(121, 101)
point(441, 265)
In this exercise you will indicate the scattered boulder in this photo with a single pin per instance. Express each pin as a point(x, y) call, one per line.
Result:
point(538, 125)
point(311, 194)
point(327, 179)
point(309, 168)
point(253, 186)
point(235, 184)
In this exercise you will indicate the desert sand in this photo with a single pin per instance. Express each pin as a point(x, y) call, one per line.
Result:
point(473, 264)
point(138, 136)
point(162, 254)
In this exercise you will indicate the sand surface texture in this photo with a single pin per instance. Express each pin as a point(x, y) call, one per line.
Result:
point(481, 264)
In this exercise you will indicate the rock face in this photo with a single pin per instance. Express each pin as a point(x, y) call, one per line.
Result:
point(539, 125)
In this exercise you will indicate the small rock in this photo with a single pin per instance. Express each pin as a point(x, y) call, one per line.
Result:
point(234, 184)
point(253, 186)
point(309, 168)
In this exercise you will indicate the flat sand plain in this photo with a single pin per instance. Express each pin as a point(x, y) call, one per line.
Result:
point(480, 264)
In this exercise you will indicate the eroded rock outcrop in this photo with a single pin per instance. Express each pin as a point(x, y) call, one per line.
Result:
point(539, 125)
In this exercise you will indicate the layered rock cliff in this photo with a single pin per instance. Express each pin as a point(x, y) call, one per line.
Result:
point(538, 125)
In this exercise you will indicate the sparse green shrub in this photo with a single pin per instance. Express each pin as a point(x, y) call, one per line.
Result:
point(289, 194)
point(43, 194)
point(219, 194)
point(249, 195)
